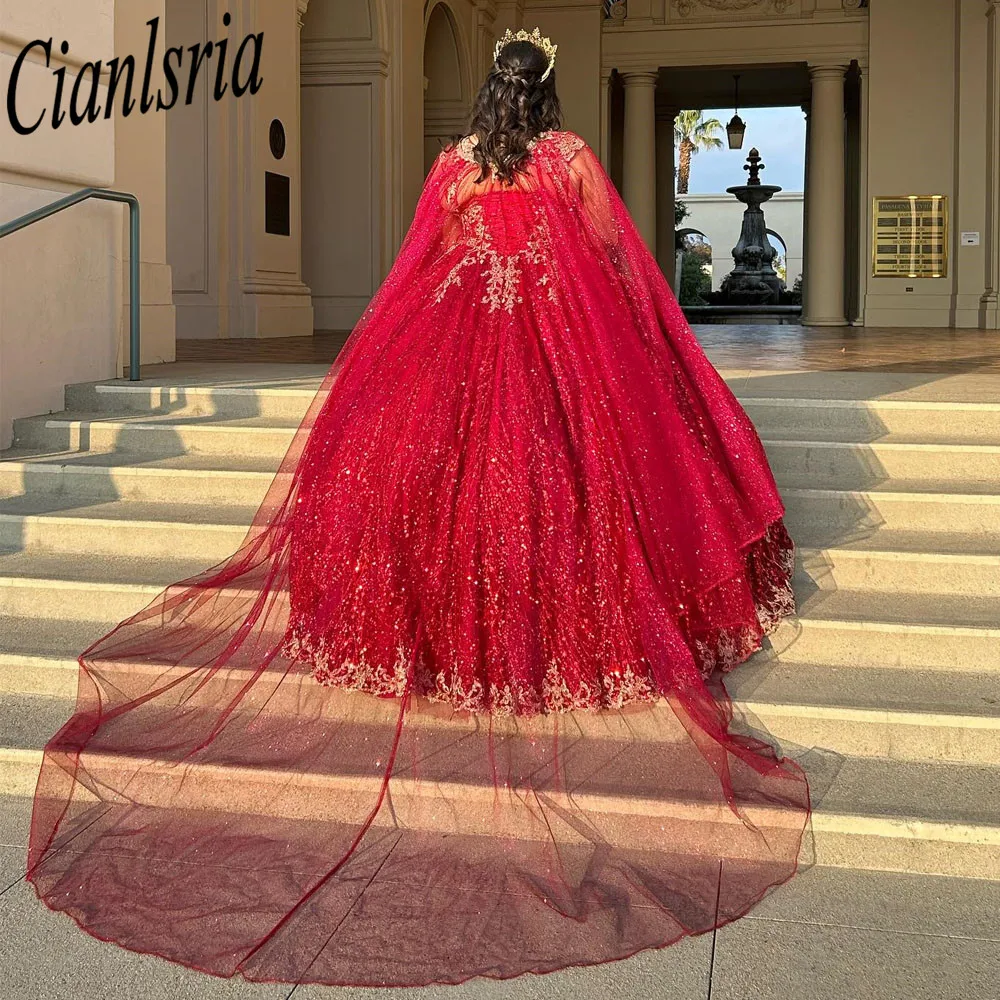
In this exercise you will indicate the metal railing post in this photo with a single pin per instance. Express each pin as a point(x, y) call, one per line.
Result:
point(135, 301)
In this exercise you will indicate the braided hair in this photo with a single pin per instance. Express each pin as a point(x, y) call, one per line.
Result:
point(514, 107)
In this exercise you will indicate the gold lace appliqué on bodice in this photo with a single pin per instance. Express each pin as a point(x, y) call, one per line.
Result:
point(503, 268)
point(506, 262)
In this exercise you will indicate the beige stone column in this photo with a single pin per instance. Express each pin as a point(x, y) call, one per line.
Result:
point(605, 150)
point(665, 187)
point(639, 181)
point(141, 169)
point(486, 16)
point(989, 307)
point(267, 295)
point(824, 277)
point(805, 207)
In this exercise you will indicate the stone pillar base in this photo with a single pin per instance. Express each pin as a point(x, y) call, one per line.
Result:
point(276, 309)
point(989, 312)
point(824, 321)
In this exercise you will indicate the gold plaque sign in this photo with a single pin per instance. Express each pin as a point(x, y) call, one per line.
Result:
point(910, 238)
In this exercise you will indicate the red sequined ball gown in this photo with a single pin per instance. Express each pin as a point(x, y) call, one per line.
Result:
point(521, 532)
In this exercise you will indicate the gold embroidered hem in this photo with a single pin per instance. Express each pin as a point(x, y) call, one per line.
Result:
point(615, 689)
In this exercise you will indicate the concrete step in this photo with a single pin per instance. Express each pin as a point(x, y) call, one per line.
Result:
point(841, 465)
point(900, 631)
point(142, 529)
point(910, 714)
point(876, 814)
point(76, 587)
point(876, 565)
point(106, 476)
point(38, 656)
point(777, 416)
point(870, 712)
point(885, 560)
point(817, 518)
point(282, 399)
point(106, 558)
point(797, 463)
point(867, 420)
point(157, 435)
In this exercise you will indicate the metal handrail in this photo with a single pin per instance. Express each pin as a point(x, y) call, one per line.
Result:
point(102, 194)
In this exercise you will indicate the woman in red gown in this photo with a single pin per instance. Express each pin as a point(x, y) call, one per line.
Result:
point(454, 707)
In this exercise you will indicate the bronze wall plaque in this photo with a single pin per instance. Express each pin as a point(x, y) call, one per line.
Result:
point(910, 237)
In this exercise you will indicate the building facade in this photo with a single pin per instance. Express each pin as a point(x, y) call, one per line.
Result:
point(718, 218)
point(277, 212)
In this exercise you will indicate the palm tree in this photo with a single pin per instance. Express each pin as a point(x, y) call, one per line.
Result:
point(691, 133)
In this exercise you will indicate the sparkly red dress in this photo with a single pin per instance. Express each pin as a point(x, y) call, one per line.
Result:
point(454, 708)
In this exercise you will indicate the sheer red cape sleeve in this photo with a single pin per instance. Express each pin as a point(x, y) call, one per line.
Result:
point(212, 803)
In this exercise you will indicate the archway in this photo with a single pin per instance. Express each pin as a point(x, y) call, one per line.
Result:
point(781, 261)
point(695, 271)
point(446, 103)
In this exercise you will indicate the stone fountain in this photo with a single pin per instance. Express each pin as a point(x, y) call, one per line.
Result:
point(752, 292)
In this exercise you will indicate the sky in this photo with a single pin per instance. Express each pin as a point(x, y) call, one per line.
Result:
point(779, 134)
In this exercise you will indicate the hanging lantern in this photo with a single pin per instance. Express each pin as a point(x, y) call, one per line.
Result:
point(736, 130)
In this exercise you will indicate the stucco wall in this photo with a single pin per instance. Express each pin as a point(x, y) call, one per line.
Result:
point(928, 120)
point(60, 281)
point(720, 218)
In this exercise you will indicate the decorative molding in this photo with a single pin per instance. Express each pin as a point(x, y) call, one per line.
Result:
point(685, 8)
point(854, 4)
point(274, 285)
point(819, 71)
point(301, 6)
point(640, 77)
point(322, 59)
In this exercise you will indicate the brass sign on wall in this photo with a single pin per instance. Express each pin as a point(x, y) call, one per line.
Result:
point(910, 237)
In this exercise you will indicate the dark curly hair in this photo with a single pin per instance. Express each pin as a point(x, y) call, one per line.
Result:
point(514, 107)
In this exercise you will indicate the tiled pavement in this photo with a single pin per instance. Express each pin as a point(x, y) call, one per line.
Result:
point(915, 349)
point(829, 935)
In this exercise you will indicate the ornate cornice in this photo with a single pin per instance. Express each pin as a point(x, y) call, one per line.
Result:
point(688, 7)
point(326, 60)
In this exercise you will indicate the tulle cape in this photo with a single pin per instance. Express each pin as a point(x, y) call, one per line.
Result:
point(530, 523)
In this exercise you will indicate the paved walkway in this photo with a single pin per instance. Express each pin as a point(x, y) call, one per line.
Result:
point(830, 934)
point(916, 349)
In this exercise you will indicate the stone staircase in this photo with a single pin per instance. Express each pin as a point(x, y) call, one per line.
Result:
point(893, 663)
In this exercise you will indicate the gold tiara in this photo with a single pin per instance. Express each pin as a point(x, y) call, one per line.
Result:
point(536, 39)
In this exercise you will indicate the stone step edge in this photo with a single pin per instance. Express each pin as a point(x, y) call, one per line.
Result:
point(201, 389)
point(26, 764)
point(236, 426)
point(68, 668)
point(57, 466)
point(834, 403)
point(843, 552)
point(150, 591)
